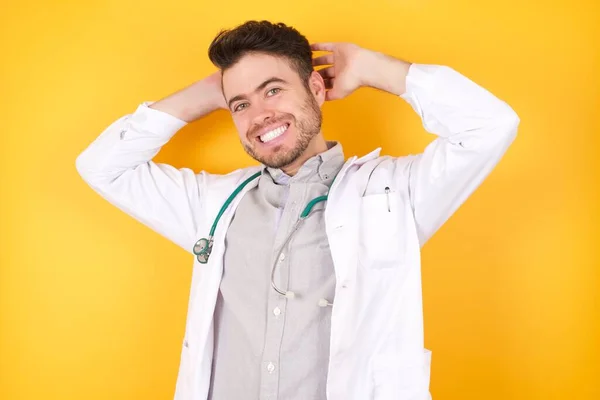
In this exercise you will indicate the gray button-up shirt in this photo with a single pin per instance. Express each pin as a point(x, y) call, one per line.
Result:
point(269, 347)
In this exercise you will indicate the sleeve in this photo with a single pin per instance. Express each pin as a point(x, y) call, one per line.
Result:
point(118, 165)
point(474, 130)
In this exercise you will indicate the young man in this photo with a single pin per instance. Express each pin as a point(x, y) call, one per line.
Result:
point(293, 298)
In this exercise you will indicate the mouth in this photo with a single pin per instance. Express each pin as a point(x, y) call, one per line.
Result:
point(273, 134)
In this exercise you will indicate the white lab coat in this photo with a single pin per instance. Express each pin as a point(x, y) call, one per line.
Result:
point(377, 347)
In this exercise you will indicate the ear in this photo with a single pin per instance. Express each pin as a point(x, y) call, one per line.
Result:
point(317, 87)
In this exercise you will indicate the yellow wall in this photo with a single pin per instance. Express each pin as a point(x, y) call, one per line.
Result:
point(92, 303)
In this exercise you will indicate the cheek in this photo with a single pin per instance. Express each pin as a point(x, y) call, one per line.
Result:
point(292, 108)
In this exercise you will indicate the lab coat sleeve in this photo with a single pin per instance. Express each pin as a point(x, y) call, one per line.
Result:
point(118, 165)
point(474, 130)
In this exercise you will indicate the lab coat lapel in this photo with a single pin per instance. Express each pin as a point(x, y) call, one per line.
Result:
point(205, 287)
point(223, 225)
point(343, 203)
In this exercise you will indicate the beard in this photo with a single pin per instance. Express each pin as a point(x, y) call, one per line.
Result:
point(308, 126)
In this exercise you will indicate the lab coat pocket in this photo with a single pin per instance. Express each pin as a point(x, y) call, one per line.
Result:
point(395, 380)
point(381, 244)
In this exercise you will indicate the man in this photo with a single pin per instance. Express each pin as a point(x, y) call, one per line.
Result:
point(293, 298)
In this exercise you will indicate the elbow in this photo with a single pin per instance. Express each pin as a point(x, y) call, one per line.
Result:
point(88, 170)
point(498, 135)
point(82, 165)
point(507, 125)
point(512, 126)
point(512, 120)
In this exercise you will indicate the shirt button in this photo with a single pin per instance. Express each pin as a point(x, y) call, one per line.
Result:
point(271, 367)
point(277, 311)
point(281, 257)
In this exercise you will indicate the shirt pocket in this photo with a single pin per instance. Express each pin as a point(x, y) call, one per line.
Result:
point(381, 239)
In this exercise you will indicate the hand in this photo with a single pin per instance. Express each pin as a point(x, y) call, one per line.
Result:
point(344, 76)
point(213, 82)
point(354, 66)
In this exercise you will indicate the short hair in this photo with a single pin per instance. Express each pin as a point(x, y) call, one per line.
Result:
point(276, 39)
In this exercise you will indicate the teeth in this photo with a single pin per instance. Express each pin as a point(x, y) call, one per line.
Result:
point(267, 137)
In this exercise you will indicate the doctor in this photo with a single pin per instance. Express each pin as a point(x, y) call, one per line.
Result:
point(306, 277)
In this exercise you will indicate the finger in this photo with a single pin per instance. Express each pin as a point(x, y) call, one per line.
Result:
point(332, 95)
point(323, 60)
point(326, 46)
point(328, 72)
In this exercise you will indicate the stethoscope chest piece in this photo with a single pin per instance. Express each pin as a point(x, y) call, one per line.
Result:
point(203, 246)
point(202, 250)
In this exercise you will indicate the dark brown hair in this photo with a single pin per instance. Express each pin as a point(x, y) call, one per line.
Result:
point(229, 46)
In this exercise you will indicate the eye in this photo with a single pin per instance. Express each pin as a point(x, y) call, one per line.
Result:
point(237, 108)
point(273, 91)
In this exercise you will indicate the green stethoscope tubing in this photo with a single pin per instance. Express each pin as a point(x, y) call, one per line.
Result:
point(203, 247)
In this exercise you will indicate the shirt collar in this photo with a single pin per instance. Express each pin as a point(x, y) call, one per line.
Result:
point(322, 167)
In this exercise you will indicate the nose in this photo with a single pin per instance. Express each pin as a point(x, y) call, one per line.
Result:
point(262, 114)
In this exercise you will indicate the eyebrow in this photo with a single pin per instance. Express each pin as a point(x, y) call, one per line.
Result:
point(258, 88)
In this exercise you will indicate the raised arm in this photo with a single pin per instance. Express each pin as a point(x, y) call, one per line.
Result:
point(118, 163)
point(474, 130)
point(474, 127)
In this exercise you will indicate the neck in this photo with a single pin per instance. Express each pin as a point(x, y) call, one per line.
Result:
point(316, 146)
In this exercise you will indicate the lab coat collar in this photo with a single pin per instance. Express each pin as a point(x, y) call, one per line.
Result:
point(368, 157)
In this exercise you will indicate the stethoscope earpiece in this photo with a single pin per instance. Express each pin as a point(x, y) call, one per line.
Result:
point(290, 295)
point(324, 303)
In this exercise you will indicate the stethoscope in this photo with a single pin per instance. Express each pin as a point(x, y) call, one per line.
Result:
point(203, 247)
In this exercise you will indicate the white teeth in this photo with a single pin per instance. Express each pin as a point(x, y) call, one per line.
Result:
point(267, 137)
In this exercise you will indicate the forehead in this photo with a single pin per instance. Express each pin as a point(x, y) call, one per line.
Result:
point(252, 70)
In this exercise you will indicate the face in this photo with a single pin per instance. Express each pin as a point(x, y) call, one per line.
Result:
point(277, 117)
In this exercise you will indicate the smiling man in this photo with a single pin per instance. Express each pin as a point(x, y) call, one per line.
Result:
point(306, 280)
point(285, 130)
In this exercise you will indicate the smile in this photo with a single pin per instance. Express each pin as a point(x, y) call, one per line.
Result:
point(275, 133)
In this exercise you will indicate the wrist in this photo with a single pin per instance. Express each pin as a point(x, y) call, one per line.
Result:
point(385, 73)
point(192, 102)
point(202, 98)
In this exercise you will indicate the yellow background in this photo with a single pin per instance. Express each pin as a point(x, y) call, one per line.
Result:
point(93, 304)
